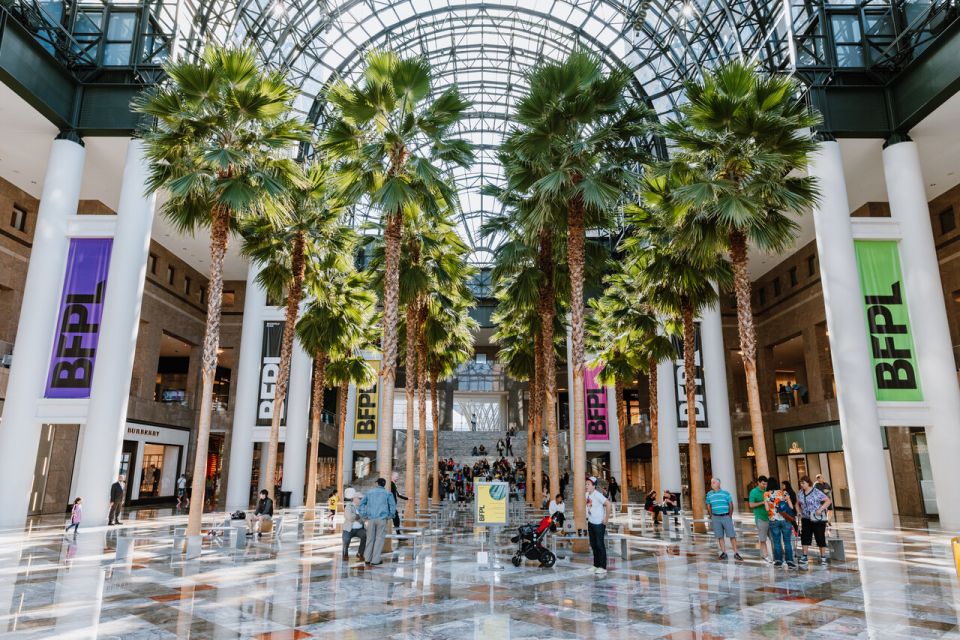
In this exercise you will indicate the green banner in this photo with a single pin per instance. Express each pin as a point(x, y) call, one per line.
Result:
point(896, 376)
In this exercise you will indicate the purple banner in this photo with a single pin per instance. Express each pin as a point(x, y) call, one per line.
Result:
point(78, 323)
point(596, 400)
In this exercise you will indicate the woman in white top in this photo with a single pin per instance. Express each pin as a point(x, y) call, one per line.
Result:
point(557, 505)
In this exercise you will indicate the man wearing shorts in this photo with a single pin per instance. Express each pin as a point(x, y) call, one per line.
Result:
point(760, 516)
point(720, 508)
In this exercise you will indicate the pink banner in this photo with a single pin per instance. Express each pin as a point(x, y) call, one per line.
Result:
point(596, 405)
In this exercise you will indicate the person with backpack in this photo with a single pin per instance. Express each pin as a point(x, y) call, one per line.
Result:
point(76, 513)
point(813, 505)
point(782, 516)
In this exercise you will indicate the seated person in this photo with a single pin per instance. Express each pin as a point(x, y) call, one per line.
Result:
point(669, 503)
point(483, 450)
point(650, 504)
point(263, 514)
point(475, 452)
point(557, 508)
point(353, 525)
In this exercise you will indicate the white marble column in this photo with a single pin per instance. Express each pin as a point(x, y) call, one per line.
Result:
point(101, 439)
point(298, 422)
point(245, 402)
point(19, 430)
point(849, 349)
point(668, 439)
point(717, 399)
point(613, 432)
point(928, 318)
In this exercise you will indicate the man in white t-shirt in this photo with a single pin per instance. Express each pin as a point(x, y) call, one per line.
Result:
point(598, 513)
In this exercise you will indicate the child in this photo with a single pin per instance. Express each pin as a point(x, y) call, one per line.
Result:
point(332, 505)
point(75, 514)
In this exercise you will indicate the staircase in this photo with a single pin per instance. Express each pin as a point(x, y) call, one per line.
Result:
point(459, 446)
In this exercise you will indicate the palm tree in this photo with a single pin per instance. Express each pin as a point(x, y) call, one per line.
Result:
point(443, 360)
point(309, 233)
point(219, 146)
point(393, 136)
point(679, 284)
point(743, 134)
point(580, 145)
point(334, 328)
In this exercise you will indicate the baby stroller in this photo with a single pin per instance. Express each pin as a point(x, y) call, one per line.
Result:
point(530, 543)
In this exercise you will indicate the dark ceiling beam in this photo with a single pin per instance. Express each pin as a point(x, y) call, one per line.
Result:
point(852, 110)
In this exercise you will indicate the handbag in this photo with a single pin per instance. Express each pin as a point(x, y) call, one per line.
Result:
point(238, 515)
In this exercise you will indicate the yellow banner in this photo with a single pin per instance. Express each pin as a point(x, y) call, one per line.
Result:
point(492, 503)
point(365, 416)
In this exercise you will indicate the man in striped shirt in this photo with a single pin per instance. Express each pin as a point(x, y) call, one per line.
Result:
point(720, 508)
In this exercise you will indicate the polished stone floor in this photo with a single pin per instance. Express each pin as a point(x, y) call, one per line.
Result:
point(899, 584)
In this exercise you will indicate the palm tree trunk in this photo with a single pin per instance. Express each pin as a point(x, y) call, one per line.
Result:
point(547, 312)
point(435, 400)
point(697, 492)
point(422, 410)
point(532, 480)
point(316, 410)
point(654, 428)
point(622, 429)
point(409, 389)
point(341, 435)
point(294, 294)
point(748, 346)
point(388, 366)
point(538, 422)
point(576, 237)
point(219, 234)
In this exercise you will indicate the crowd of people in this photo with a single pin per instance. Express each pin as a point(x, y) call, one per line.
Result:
point(457, 479)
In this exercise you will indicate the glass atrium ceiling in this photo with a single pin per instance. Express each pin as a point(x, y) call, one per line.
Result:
point(483, 46)
point(486, 46)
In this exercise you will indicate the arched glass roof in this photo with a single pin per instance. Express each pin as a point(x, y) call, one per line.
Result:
point(486, 47)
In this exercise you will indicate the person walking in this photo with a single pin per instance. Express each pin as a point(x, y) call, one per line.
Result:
point(598, 514)
point(500, 447)
point(509, 444)
point(613, 488)
point(76, 513)
point(761, 518)
point(332, 502)
point(720, 509)
point(397, 496)
point(812, 505)
point(782, 517)
point(377, 507)
point(353, 525)
point(116, 502)
point(181, 490)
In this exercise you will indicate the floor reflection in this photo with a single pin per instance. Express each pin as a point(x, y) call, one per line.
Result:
point(896, 584)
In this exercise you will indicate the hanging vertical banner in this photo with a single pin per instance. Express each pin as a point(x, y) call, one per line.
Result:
point(895, 376)
point(269, 372)
point(78, 321)
point(700, 399)
point(595, 394)
point(365, 420)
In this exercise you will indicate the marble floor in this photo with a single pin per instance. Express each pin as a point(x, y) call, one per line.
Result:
point(900, 584)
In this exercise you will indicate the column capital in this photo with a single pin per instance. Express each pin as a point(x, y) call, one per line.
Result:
point(70, 134)
point(896, 138)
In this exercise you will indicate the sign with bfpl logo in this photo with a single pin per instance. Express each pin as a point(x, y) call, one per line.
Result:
point(269, 372)
point(365, 420)
point(895, 376)
point(596, 400)
point(75, 344)
point(492, 503)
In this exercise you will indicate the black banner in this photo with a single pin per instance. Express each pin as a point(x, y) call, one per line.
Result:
point(680, 382)
point(269, 372)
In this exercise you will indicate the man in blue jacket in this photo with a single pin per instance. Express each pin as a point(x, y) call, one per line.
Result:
point(378, 507)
